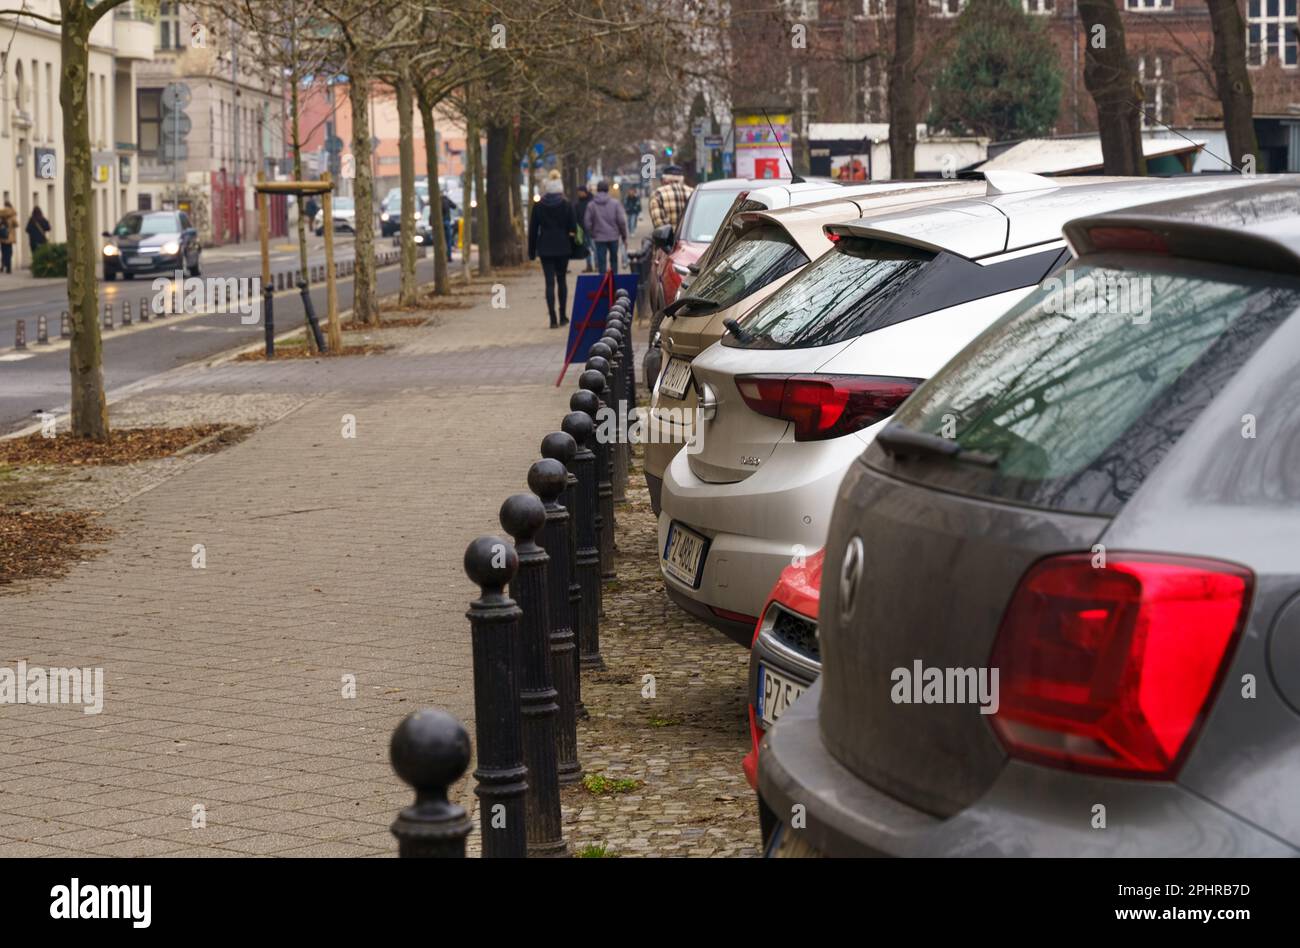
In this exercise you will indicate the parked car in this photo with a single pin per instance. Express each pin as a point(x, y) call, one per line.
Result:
point(151, 242)
point(754, 255)
point(789, 403)
point(1079, 504)
point(344, 212)
point(676, 249)
point(390, 213)
point(785, 658)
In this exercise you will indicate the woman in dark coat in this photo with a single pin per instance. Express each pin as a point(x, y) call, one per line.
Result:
point(37, 228)
point(550, 236)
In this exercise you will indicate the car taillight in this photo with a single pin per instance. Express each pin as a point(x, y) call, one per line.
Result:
point(825, 406)
point(1112, 669)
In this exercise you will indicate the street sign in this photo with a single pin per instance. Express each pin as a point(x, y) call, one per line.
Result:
point(176, 96)
point(171, 154)
point(334, 145)
point(170, 124)
point(712, 141)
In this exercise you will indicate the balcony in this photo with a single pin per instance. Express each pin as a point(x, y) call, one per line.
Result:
point(133, 36)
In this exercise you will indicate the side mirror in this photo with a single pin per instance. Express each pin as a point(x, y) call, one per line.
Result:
point(663, 236)
point(106, 234)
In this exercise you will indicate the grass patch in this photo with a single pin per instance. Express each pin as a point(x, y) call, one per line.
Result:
point(594, 852)
point(664, 722)
point(126, 445)
point(598, 785)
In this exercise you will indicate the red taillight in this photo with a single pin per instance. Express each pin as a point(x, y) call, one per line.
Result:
point(1137, 239)
point(1113, 668)
point(825, 406)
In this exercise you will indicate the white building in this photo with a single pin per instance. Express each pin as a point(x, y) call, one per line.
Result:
point(31, 119)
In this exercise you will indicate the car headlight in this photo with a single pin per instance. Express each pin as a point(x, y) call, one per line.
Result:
point(419, 239)
point(171, 248)
point(110, 250)
point(383, 216)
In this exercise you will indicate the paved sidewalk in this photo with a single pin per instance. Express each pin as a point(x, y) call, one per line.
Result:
point(326, 556)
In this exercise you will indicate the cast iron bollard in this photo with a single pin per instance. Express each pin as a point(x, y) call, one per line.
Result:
point(65, 328)
point(108, 315)
point(42, 330)
point(588, 529)
point(268, 314)
point(310, 310)
point(144, 310)
point(594, 381)
point(523, 517)
point(429, 752)
point(548, 479)
point(621, 450)
point(20, 334)
point(494, 628)
point(562, 446)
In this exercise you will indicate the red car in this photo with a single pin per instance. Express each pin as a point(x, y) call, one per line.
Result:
point(675, 250)
point(785, 658)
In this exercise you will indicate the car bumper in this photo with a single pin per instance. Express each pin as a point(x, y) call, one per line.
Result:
point(655, 485)
point(1028, 811)
point(756, 526)
point(784, 662)
point(159, 263)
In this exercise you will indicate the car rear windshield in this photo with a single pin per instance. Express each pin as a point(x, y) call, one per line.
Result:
point(865, 284)
point(705, 214)
point(763, 254)
point(727, 233)
point(1077, 394)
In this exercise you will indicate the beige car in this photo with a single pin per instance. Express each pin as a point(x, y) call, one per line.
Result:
point(768, 249)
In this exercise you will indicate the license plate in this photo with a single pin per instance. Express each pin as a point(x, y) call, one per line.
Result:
point(776, 693)
point(138, 261)
point(683, 557)
point(677, 376)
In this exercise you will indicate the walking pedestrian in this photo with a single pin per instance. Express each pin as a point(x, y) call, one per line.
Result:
point(632, 207)
point(606, 225)
point(552, 229)
point(8, 236)
point(580, 215)
point(448, 225)
point(669, 200)
point(310, 208)
point(37, 228)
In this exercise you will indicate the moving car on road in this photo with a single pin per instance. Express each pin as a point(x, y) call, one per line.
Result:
point(791, 398)
point(344, 212)
point(151, 242)
point(1065, 575)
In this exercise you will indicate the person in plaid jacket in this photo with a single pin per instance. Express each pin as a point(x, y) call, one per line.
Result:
point(669, 200)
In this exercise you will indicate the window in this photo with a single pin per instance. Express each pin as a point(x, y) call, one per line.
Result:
point(169, 25)
point(1040, 7)
point(148, 121)
point(875, 9)
point(1270, 32)
point(1158, 89)
point(1149, 6)
point(946, 8)
point(759, 257)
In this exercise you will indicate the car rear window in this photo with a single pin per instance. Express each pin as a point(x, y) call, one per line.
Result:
point(763, 254)
point(728, 234)
point(865, 284)
point(1077, 393)
point(705, 215)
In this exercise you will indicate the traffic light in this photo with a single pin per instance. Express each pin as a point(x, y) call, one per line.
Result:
point(668, 151)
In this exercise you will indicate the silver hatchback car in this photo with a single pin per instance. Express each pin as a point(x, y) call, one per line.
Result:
point(1062, 587)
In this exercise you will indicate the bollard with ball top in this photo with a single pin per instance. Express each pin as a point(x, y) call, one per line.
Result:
point(589, 524)
point(577, 428)
point(593, 380)
point(429, 752)
point(548, 479)
point(523, 516)
point(607, 349)
point(502, 778)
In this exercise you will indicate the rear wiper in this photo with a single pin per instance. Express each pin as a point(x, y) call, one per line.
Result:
point(679, 304)
point(740, 332)
point(900, 441)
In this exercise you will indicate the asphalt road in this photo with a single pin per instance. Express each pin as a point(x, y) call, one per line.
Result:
point(37, 380)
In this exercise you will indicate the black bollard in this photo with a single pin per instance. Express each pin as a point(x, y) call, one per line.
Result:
point(430, 751)
point(613, 385)
point(310, 310)
point(576, 429)
point(144, 310)
point(593, 381)
point(494, 628)
point(20, 334)
point(622, 449)
point(268, 314)
point(523, 517)
point(126, 312)
point(587, 512)
point(42, 330)
point(548, 479)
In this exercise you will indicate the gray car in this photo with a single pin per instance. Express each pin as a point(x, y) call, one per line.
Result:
point(1061, 603)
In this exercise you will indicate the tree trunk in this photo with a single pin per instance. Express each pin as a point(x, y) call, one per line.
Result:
point(902, 92)
point(1232, 80)
point(365, 300)
point(440, 282)
point(481, 212)
point(86, 352)
point(295, 130)
point(408, 292)
point(1114, 86)
point(500, 180)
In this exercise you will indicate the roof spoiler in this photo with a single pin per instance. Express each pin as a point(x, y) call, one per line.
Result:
point(1013, 182)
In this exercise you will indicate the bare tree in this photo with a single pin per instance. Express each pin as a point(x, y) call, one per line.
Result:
point(1114, 86)
point(1232, 79)
point(903, 108)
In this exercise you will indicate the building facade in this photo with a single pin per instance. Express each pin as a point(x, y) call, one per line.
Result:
point(31, 118)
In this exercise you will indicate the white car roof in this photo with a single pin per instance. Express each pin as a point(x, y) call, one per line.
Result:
point(1003, 221)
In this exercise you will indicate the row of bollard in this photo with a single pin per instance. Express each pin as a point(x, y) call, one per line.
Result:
point(281, 280)
point(534, 627)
